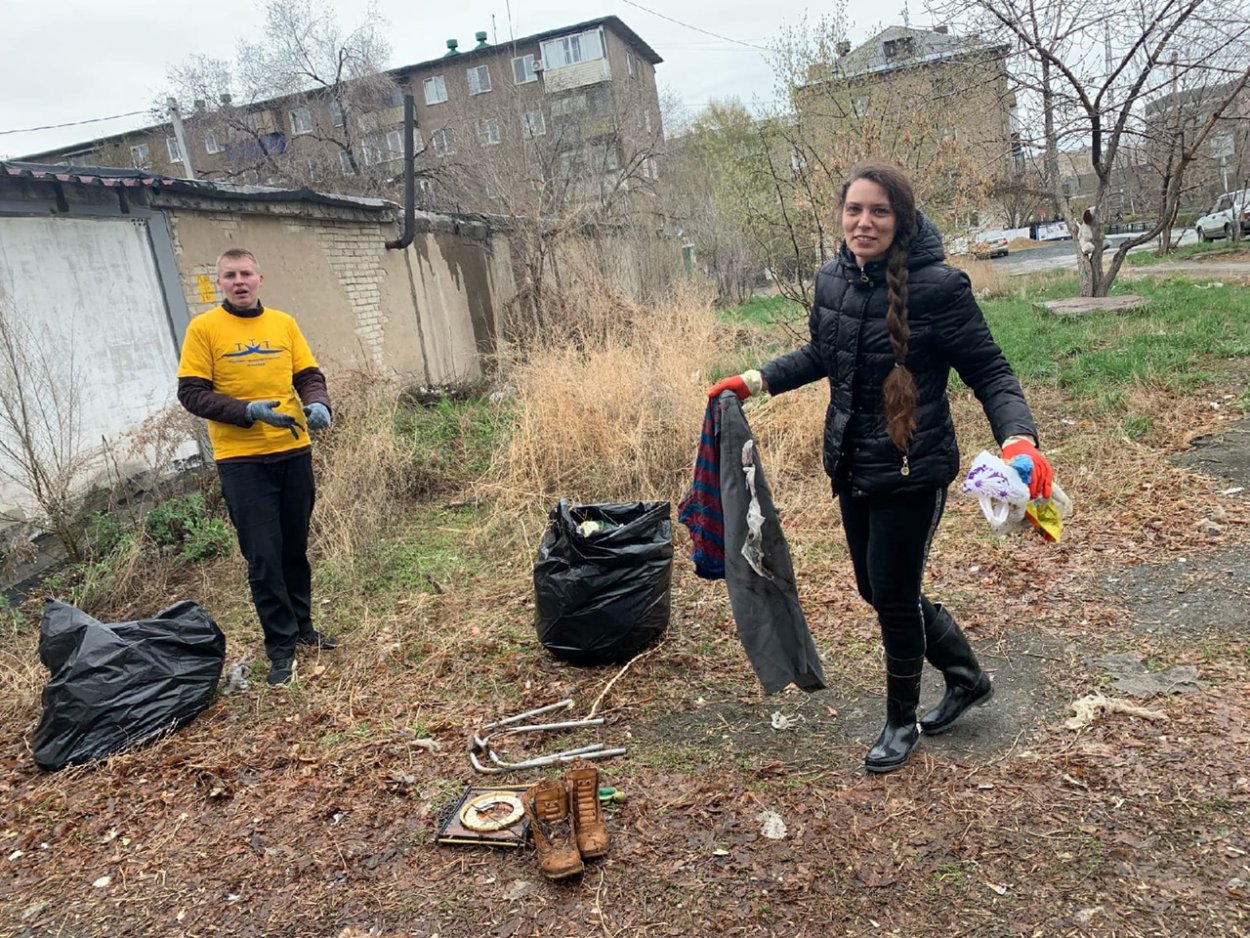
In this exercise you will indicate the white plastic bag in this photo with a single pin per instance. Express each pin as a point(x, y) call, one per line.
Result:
point(1002, 494)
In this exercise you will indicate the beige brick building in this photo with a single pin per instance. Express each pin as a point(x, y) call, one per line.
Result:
point(938, 104)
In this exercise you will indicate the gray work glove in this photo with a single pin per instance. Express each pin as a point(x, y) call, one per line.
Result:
point(265, 410)
point(318, 416)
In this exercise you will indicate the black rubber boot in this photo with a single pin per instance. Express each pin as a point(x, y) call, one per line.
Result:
point(899, 738)
point(966, 684)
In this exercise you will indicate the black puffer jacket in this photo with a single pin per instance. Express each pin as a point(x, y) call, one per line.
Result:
point(850, 346)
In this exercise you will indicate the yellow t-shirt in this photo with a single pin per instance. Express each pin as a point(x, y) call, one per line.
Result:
point(252, 359)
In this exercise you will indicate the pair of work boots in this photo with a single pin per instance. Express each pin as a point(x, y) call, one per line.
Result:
point(566, 821)
point(967, 685)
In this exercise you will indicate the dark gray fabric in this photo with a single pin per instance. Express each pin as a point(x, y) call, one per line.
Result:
point(770, 620)
point(850, 347)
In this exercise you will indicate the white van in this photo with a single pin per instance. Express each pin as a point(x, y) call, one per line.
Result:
point(1218, 223)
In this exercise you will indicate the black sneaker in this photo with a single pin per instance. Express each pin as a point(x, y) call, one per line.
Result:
point(316, 640)
point(280, 671)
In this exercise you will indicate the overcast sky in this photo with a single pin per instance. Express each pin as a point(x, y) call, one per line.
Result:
point(76, 60)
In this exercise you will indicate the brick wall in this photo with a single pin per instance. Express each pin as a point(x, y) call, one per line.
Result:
point(428, 313)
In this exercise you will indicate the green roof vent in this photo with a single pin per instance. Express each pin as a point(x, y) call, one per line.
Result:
point(480, 36)
point(451, 47)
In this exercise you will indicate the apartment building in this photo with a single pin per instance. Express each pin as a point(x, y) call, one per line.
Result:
point(937, 103)
point(1173, 118)
point(570, 115)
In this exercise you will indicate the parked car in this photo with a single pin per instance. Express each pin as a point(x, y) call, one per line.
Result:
point(987, 246)
point(1218, 223)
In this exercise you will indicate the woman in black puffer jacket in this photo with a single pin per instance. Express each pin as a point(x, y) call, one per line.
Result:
point(889, 322)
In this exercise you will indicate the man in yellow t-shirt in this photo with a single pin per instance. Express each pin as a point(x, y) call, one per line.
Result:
point(249, 372)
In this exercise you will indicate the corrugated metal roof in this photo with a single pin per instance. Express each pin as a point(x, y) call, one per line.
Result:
point(113, 176)
point(87, 175)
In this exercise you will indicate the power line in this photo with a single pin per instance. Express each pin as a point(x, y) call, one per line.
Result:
point(92, 120)
point(697, 29)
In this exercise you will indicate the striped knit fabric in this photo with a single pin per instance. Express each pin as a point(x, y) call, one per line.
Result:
point(700, 509)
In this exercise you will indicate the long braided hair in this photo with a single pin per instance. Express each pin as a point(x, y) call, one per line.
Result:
point(899, 394)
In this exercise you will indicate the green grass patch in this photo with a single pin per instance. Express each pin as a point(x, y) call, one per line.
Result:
point(767, 311)
point(1177, 344)
point(450, 441)
point(1212, 250)
point(432, 554)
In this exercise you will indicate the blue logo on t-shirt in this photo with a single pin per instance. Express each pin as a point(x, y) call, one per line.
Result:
point(251, 348)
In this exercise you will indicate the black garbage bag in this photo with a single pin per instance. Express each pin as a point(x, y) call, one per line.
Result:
point(114, 686)
point(604, 595)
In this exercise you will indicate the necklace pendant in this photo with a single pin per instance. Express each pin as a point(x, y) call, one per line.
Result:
point(906, 470)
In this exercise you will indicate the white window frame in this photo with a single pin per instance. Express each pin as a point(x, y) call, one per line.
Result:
point(474, 76)
point(394, 97)
point(335, 110)
point(629, 64)
point(439, 86)
point(394, 144)
point(301, 121)
point(443, 142)
point(859, 105)
point(210, 142)
point(488, 132)
point(141, 156)
point(572, 49)
point(172, 148)
point(345, 163)
point(527, 73)
point(528, 131)
point(418, 142)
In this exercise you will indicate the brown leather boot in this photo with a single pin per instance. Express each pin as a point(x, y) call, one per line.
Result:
point(547, 806)
point(582, 782)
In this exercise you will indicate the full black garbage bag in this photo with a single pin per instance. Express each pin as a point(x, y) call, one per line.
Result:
point(603, 597)
point(113, 686)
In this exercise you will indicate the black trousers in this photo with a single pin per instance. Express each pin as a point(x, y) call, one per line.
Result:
point(889, 537)
point(270, 505)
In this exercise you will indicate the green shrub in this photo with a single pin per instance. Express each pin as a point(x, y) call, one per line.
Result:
point(105, 533)
point(183, 528)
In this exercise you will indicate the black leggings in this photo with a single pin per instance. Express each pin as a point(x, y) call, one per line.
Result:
point(889, 537)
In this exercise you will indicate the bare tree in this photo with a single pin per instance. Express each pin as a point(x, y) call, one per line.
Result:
point(41, 446)
point(1086, 72)
point(556, 165)
point(308, 101)
point(720, 198)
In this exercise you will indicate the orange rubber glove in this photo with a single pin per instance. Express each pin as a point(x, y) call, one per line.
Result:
point(1043, 475)
point(744, 385)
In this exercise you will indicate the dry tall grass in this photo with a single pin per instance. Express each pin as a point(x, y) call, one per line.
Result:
point(987, 280)
point(363, 468)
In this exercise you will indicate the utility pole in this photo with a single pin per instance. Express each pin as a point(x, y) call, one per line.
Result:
point(176, 119)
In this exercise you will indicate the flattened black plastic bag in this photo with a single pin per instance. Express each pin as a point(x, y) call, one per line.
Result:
point(114, 686)
point(602, 580)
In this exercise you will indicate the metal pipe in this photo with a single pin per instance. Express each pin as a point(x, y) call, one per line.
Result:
point(558, 705)
point(410, 177)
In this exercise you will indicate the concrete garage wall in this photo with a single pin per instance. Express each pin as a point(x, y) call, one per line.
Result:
point(427, 313)
point(86, 299)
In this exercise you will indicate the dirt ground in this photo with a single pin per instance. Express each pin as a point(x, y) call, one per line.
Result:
point(1015, 823)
